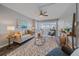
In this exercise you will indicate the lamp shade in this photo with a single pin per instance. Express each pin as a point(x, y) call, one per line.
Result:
point(11, 28)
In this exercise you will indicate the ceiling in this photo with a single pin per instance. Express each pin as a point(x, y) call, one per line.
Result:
point(54, 10)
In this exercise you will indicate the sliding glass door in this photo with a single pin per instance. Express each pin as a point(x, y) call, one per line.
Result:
point(46, 26)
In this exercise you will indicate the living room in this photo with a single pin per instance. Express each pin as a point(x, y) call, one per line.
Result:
point(39, 26)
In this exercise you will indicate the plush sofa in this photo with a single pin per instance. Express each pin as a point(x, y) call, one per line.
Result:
point(23, 38)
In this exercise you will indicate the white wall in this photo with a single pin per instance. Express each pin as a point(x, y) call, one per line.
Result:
point(9, 17)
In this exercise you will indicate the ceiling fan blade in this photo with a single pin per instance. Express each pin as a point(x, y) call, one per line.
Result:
point(45, 15)
point(41, 13)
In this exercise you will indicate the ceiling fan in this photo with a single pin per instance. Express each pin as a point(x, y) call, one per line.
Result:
point(43, 13)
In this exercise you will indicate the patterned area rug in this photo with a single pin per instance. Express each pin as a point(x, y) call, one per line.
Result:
point(30, 49)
